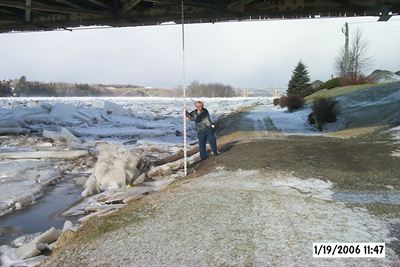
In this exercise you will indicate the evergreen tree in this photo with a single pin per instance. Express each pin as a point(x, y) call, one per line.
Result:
point(300, 82)
point(21, 86)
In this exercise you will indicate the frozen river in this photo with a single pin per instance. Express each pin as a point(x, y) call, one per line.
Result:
point(54, 127)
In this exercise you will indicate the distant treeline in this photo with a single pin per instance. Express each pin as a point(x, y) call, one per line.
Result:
point(23, 88)
point(196, 89)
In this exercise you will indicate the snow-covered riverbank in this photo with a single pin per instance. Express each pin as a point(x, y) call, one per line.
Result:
point(47, 140)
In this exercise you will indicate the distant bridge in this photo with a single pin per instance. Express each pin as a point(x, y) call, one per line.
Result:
point(125, 90)
point(147, 91)
point(273, 92)
point(36, 15)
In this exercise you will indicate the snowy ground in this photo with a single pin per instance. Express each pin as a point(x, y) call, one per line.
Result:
point(232, 218)
point(294, 123)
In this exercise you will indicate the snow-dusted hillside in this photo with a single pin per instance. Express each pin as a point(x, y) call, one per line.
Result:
point(383, 76)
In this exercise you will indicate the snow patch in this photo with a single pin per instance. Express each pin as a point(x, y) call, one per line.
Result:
point(313, 187)
point(395, 134)
point(396, 137)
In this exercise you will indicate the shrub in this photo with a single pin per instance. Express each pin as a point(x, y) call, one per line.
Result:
point(348, 80)
point(283, 101)
point(294, 102)
point(275, 101)
point(332, 83)
point(325, 110)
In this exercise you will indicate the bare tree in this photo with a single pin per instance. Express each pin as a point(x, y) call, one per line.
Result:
point(341, 64)
point(357, 58)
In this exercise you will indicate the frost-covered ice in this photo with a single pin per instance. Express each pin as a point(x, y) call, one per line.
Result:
point(115, 168)
point(21, 181)
point(154, 124)
point(118, 118)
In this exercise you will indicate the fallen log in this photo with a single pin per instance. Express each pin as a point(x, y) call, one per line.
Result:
point(171, 167)
point(175, 156)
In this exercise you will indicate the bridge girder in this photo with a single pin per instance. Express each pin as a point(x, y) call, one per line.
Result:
point(36, 15)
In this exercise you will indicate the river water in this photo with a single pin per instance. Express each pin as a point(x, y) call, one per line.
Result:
point(46, 213)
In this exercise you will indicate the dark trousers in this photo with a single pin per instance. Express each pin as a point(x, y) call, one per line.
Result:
point(210, 135)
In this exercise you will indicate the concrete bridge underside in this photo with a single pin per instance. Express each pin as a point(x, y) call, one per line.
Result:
point(36, 15)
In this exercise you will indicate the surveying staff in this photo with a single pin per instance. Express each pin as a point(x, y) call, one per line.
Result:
point(205, 129)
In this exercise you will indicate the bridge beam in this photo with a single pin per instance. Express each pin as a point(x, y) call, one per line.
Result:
point(28, 10)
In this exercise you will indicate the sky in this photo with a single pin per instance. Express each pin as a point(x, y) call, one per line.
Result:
point(247, 54)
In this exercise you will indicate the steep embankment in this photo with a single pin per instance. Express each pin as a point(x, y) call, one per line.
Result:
point(365, 108)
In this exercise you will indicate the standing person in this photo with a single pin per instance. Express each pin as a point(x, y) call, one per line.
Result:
point(205, 129)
